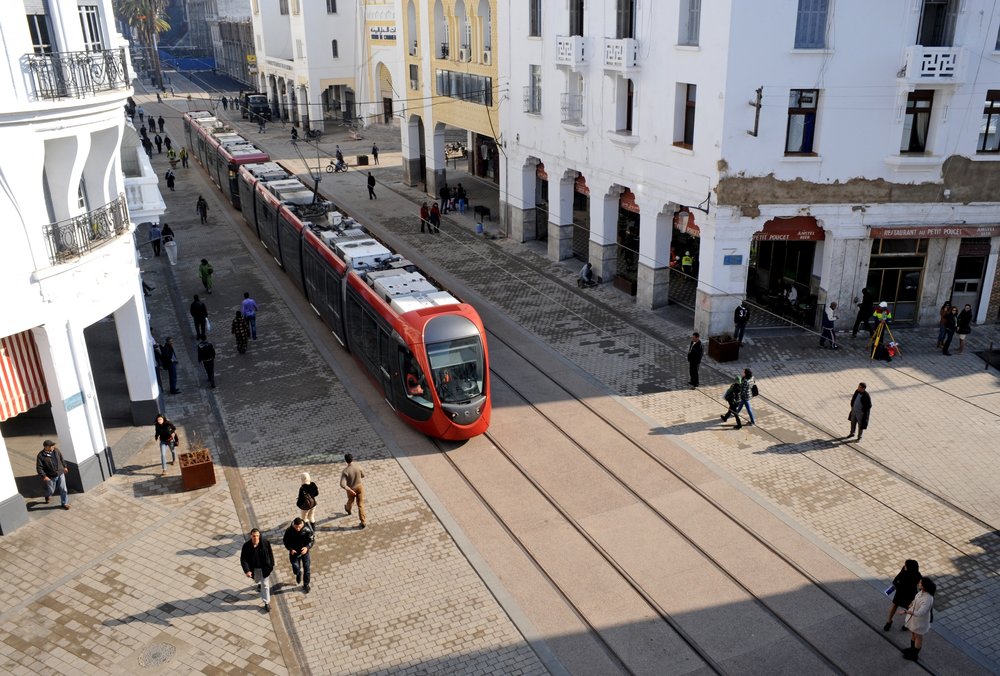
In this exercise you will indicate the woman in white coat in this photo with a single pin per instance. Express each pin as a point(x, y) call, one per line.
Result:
point(918, 617)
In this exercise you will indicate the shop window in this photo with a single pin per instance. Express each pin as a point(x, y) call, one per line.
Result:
point(802, 104)
point(811, 24)
point(989, 135)
point(917, 121)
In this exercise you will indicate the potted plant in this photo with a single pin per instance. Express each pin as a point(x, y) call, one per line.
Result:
point(723, 348)
point(197, 468)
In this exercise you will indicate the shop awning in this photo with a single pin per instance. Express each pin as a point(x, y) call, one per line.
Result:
point(22, 383)
point(793, 229)
point(930, 231)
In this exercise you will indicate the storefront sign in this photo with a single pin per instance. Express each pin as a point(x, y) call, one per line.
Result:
point(794, 229)
point(382, 33)
point(913, 232)
point(733, 259)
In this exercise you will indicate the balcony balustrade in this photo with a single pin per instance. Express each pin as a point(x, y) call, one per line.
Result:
point(571, 51)
point(76, 236)
point(934, 65)
point(621, 54)
point(61, 75)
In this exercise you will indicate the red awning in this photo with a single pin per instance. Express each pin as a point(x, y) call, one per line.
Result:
point(928, 231)
point(22, 383)
point(794, 229)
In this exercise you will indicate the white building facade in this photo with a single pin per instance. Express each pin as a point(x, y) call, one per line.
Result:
point(67, 253)
point(827, 145)
point(307, 58)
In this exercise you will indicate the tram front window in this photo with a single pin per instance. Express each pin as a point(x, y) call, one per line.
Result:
point(457, 369)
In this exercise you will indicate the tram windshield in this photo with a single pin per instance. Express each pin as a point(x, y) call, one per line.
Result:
point(414, 382)
point(457, 369)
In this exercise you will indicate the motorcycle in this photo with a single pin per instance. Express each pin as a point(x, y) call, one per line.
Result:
point(339, 165)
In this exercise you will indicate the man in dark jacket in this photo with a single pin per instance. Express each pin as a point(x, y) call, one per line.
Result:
point(865, 309)
point(695, 351)
point(52, 471)
point(298, 540)
point(257, 560)
point(199, 313)
point(740, 318)
point(861, 406)
point(170, 363)
point(206, 355)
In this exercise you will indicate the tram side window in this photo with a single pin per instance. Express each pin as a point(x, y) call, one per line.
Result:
point(333, 293)
point(355, 325)
point(370, 339)
point(414, 382)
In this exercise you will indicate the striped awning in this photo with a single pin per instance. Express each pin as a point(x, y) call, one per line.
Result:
point(22, 383)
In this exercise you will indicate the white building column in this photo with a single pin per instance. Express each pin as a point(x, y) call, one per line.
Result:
point(302, 103)
point(520, 199)
point(137, 358)
point(409, 133)
point(75, 410)
point(724, 260)
point(13, 512)
point(603, 252)
point(655, 234)
point(437, 167)
point(560, 235)
point(987, 299)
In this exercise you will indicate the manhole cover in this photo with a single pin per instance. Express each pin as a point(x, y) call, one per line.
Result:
point(157, 655)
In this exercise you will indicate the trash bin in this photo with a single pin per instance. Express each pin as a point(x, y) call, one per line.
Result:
point(479, 228)
point(362, 160)
point(171, 249)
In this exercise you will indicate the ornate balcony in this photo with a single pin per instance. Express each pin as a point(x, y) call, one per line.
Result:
point(621, 54)
point(61, 75)
point(74, 237)
point(571, 51)
point(934, 65)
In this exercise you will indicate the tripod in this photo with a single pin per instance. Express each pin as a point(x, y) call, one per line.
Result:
point(879, 337)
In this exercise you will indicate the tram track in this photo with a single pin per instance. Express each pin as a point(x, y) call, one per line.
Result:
point(537, 485)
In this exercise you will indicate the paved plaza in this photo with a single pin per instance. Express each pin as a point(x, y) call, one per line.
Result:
point(140, 574)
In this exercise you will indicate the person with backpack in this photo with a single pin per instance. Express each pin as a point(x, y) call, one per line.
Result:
point(748, 390)
point(732, 397)
point(306, 500)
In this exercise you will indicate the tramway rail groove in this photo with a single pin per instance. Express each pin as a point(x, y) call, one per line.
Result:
point(712, 502)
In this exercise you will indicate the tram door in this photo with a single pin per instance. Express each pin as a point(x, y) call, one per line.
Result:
point(387, 365)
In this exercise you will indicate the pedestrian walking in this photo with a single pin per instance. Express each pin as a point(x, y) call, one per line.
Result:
point(741, 315)
point(159, 99)
point(249, 310)
point(199, 313)
point(241, 331)
point(257, 560)
point(375, 153)
point(350, 481)
point(141, 112)
point(172, 157)
point(748, 390)
point(865, 309)
point(167, 143)
point(425, 215)
point(829, 332)
point(732, 397)
point(152, 126)
point(461, 198)
point(943, 323)
point(905, 587)
point(165, 432)
point(147, 145)
point(184, 157)
point(201, 206)
point(950, 327)
point(861, 407)
point(170, 363)
point(694, 355)
point(298, 541)
point(445, 195)
point(261, 124)
point(206, 355)
point(205, 271)
point(687, 263)
point(371, 186)
point(161, 122)
point(919, 616)
point(435, 223)
point(168, 233)
point(170, 179)
point(155, 238)
point(964, 326)
point(52, 470)
point(225, 103)
point(306, 500)
point(158, 140)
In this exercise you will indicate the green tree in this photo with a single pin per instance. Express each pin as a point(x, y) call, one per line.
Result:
point(147, 19)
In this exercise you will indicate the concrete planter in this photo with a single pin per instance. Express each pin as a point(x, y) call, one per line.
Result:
point(197, 469)
point(723, 348)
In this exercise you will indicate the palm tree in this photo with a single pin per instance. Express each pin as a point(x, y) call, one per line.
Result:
point(147, 19)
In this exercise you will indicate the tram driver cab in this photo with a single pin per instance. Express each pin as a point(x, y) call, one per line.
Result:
point(455, 354)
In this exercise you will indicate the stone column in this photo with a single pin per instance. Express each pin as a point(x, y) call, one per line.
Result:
point(939, 278)
point(302, 103)
point(655, 233)
point(437, 169)
point(989, 300)
point(721, 286)
point(13, 512)
point(137, 358)
point(560, 239)
point(521, 200)
point(604, 231)
point(410, 149)
point(75, 410)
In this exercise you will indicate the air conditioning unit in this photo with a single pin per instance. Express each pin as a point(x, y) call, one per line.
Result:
point(414, 85)
point(487, 57)
point(463, 54)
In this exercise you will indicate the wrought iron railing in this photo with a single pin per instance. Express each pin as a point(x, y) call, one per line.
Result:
point(62, 75)
point(571, 107)
point(76, 236)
